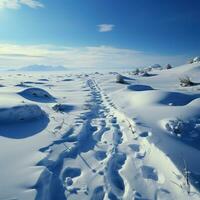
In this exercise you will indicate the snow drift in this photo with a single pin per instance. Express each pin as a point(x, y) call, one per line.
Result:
point(23, 112)
point(37, 94)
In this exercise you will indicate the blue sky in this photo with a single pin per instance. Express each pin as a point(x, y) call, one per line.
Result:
point(98, 33)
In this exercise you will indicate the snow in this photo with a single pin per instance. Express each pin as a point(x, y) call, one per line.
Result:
point(37, 94)
point(18, 113)
point(85, 136)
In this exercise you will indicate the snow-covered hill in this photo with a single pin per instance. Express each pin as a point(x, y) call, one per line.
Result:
point(42, 68)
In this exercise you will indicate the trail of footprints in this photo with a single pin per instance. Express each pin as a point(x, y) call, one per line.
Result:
point(88, 162)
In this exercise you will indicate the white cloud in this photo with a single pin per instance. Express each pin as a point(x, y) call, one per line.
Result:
point(91, 56)
point(105, 27)
point(16, 4)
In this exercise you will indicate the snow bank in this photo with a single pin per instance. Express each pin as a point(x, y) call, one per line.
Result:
point(146, 96)
point(37, 94)
point(24, 112)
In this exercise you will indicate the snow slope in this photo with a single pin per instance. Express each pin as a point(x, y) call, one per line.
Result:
point(84, 136)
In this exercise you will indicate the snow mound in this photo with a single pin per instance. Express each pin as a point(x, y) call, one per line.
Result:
point(123, 79)
point(37, 94)
point(177, 99)
point(150, 97)
point(22, 120)
point(24, 112)
point(184, 70)
point(140, 87)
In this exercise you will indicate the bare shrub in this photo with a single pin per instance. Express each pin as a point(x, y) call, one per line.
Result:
point(185, 81)
point(168, 66)
point(194, 60)
point(145, 73)
point(136, 72)
point(120, 79)
point(190, 61)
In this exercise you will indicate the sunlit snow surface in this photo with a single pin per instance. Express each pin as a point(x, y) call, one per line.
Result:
point(84, 136)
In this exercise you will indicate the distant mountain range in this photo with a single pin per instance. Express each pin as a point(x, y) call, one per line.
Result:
point(42, 68)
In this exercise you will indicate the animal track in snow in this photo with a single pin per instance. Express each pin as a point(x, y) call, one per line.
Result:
point(149, 173)
point(98, 193)
point(163, 194)
point(100, 155)
point(145, 134)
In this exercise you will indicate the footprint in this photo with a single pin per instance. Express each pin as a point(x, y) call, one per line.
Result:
point(163, 194)
point(107, 98)
point(113, 120)
point(98, 134)
point(145, 134)
point(149, 173)
point(68, 181)
point(112, 196)
point(102, 123)
point(134, 147)
point(71, 138)
point(70, 173)
point(98, 193)
point(112, 104)
point(100, 155)
point(141, 154)
point(117, 136)
point(137, 196)
point(115, 180)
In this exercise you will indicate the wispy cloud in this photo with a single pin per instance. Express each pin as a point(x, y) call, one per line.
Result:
point(89, 56)
point(105, 27)
point(16, 4)
point(16, 55)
